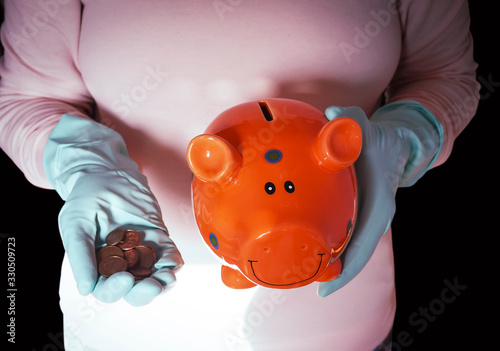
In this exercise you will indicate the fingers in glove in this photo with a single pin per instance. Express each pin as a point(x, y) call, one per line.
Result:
point(327, 288)
point(81, 255)
point(144, 292)
point(170, 258)
point(149, 288)
point(114, 288)
point(355, 112)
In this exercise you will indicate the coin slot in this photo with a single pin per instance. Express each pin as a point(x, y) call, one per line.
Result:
point(265, 111)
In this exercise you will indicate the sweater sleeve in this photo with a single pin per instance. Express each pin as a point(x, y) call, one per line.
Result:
point(436, 66)
point(40, 80)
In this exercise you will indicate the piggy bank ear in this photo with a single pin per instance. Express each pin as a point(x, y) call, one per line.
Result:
point(213, 159)
point(338, 144)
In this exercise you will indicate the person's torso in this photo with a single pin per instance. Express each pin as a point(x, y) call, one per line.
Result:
point(161, 71)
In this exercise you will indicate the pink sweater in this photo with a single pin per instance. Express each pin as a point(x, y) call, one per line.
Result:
point(159, 71)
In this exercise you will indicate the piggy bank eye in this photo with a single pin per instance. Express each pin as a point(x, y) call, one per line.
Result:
point(289, 187)
point(270, 188)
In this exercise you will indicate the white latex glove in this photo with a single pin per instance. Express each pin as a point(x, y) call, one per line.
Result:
point(400, 142)
point(88, 165)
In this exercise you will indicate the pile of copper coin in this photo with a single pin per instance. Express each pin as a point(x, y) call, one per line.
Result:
point(125, 253)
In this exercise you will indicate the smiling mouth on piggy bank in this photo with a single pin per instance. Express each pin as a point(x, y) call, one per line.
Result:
point(285, 266)
point(286, 284)
point(284, 277)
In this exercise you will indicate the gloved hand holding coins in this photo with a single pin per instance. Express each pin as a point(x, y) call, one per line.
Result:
point(88, 165)
point(124, 253)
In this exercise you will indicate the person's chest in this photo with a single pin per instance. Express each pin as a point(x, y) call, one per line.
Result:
point(190, 60)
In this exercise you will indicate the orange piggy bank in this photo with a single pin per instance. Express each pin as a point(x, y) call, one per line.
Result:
point(274, 192)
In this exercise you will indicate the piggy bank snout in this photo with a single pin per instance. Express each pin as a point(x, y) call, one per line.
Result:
point(285, 242)
point(285, 258)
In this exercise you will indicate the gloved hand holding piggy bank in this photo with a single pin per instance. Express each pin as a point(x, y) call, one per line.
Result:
point(274, 192)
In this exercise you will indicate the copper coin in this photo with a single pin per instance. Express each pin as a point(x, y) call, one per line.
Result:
point(107, 251)
point(130, 240)
point(131, 256)
point(140, 272)
point(147, 256)
point(111, 265)
point(115, 237)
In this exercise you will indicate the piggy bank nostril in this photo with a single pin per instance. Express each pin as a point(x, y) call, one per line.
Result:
point(303, 247)
point(266, 249)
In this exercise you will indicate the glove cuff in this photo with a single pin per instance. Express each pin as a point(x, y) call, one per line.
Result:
point(79, 145)
point(420, 131)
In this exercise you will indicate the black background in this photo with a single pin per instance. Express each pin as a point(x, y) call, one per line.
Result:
point(444, 231)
